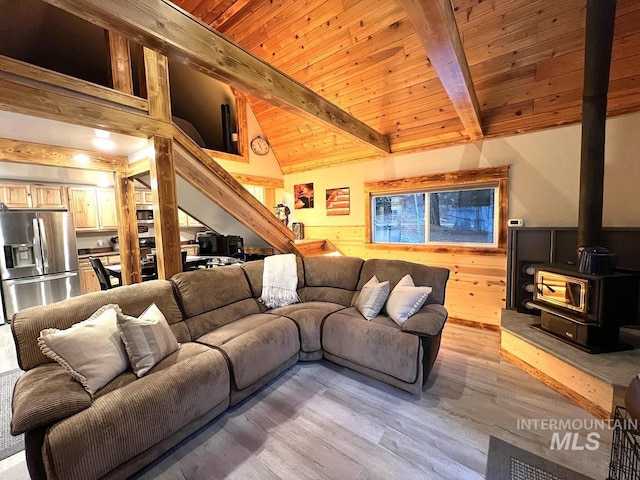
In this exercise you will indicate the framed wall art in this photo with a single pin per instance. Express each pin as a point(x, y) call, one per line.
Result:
point(303, 194)
point(338, 201)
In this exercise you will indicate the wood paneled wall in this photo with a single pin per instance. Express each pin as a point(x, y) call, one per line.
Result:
point(476, 291)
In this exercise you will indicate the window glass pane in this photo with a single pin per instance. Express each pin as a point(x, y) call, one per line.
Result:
point(462, 216)
point(399, 218)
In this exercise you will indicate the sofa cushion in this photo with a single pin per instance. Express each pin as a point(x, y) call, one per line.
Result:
point(201, 324)
point(255, 346)
point(372, 298)
point(405, 300)
point(214, 297)
point(91, 351)
point(330, 279)
point(204, 290)
point(336, 272)
point(308, 316)
point(186, 350)
point(135, 417)
point(394, 270)
point(28, 323)
point(379, 344)
point(147, 338)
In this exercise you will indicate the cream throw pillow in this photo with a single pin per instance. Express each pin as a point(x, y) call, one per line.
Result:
point(91, 351)
point(372, 298)
point(406, 299)
point(147, 339)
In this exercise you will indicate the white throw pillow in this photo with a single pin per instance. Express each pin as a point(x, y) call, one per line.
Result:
point(147, 338)
point(372, 297)
point(406, 299)
point(91, 351)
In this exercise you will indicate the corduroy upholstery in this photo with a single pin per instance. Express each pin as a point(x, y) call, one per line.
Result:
point(45, 395)
point(379, 344)
point(133, 300)
point(308, 316)
point(231, 345)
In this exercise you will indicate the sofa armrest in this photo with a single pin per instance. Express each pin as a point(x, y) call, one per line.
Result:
point(429, 321)
point(44, 395)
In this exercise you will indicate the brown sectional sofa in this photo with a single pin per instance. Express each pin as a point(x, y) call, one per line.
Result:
point(231, 345)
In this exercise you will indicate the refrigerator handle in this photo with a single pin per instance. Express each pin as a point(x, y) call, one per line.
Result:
point(45, 247)
point(37, 247)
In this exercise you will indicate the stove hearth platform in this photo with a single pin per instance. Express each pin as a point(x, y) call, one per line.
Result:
point(596, 383)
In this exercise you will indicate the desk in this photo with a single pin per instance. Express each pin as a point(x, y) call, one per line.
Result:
point(191, 262)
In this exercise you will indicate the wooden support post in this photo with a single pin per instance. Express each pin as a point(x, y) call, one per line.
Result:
point(242, 123)
point(119, 62)
point(165, 209)
point(121, 79)
point(127, 228)
point(162, 169)
point(156, 67)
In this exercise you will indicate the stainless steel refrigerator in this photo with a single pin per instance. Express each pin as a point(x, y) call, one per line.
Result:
point(39, 261)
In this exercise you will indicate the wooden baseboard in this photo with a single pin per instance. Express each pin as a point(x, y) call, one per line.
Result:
point(582, 402)
point(470, 323)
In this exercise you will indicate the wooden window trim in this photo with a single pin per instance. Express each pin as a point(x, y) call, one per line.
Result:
point(491, 177)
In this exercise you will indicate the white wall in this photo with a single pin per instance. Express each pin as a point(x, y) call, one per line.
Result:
point(543, 178)
point(262, 166)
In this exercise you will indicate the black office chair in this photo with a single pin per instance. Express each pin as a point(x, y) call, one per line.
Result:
point(101, 273)
point(150, 272)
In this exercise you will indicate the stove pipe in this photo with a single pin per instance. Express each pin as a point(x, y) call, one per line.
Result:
point(597, 61)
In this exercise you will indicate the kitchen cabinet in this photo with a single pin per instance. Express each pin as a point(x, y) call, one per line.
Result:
point(185, 220)
point(93, 208)
point(143, 197)
point(88, 279)
point(107, 212)
point(192, 222)
point(83, 203)
point(182, 219)
point(15, 195)
point(48, 196)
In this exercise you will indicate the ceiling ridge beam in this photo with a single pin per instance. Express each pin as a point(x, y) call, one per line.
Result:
point(170, 30)
point(436, 27)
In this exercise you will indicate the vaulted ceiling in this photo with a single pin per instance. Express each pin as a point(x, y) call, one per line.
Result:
point(525, 59)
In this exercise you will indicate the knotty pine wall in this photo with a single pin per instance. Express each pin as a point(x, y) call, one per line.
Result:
point(543, 190)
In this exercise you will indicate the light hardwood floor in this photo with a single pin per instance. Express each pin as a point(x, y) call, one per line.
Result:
point(319, 420)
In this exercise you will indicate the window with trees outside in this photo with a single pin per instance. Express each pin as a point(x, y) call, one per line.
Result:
point(460, 209)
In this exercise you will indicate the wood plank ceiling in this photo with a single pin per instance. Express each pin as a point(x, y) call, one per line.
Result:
point(525, 58)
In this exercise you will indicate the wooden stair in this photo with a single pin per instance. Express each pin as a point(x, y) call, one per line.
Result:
point(195, 166)
point(316, 248)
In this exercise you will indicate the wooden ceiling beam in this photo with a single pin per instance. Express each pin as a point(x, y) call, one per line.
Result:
point(436, 27)
point(28, 152)
point(166, 28)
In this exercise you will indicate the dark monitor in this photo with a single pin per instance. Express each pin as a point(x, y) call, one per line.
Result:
point(208, 244)
point(223, 245)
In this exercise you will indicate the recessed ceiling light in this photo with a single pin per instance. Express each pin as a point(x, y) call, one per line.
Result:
point(102, 133)
point(103, 144)
point(103, 180)
point(81, 158)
